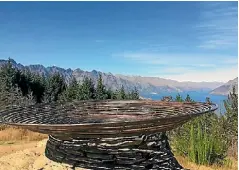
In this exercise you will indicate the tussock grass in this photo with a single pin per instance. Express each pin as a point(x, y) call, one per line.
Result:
point(13, 134)
point(229, 164)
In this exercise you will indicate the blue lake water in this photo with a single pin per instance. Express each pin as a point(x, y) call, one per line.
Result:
point(195, 95)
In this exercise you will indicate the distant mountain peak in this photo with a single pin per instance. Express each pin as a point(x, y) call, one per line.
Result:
point(12, 61)
point(94, 71)
point(116, 81)
point(78, 70)
point(226, 88)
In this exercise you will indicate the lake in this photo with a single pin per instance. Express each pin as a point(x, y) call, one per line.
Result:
point(195, 95)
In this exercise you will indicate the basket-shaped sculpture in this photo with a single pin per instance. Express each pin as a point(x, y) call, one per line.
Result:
point(110, 134)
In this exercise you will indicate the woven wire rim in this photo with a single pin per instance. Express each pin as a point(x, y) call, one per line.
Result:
point(204, 108)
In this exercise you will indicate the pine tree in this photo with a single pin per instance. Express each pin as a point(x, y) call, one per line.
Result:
point(14, 97)
point(188, 98)
point(231, 116)
point(87, 90)
point(72, 91)
point(122, 93)
point(23, 82)
point(8, 76)
point(55, 86)
point(10, 93)
point(179, 98)
point(110, 94)
point(134, 94)
point(115, 94)
point(37, 87)
point(100, 90)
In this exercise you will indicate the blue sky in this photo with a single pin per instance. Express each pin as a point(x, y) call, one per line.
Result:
point(196, 41)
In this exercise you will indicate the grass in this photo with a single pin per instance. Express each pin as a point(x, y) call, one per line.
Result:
point(201, 141)
point(11, 135)
point(230, 164)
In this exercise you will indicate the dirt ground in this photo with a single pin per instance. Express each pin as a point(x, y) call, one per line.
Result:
point(30, 156)
point(27, 156)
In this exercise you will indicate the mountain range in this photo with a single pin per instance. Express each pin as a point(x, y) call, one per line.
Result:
point(226, 88)
point(145, 85)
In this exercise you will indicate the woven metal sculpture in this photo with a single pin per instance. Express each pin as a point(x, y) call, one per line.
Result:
point(109, 134)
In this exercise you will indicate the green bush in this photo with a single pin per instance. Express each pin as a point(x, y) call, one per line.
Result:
point(203, 140)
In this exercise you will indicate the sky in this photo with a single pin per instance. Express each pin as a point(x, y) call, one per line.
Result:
point(184, 41)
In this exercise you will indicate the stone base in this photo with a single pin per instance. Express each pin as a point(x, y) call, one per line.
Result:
point(137, 152)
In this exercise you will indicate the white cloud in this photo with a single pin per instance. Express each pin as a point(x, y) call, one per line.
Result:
point(222, 75)
point(218, 26)
point(176, 70)
point(186, 67)
point(170, 70)
point(179, 60)
point(231, 61)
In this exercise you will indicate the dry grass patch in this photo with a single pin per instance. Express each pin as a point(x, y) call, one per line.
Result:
point(12, 134)
point(231, 164)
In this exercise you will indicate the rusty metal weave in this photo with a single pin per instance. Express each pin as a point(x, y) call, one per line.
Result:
point(104, 118)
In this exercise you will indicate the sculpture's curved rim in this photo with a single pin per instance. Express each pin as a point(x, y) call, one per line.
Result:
point(212, 105)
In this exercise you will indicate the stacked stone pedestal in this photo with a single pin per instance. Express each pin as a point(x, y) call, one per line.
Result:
point(136, 152)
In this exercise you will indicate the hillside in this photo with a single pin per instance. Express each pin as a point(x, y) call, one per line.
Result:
point(143, 84)
point(226, 88)
point(178, 86)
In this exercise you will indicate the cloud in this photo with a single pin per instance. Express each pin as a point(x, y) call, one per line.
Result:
point(185, 67)
point(222, 75)
point(231, 61)
point(186, 60)
point(170, 70)
point(218, 25)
